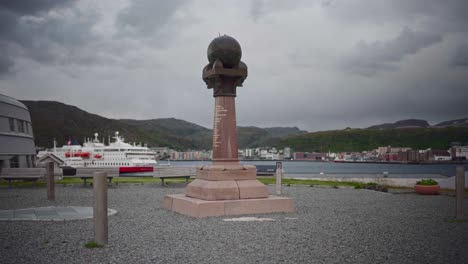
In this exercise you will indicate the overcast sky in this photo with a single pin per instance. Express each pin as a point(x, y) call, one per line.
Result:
point(318, 65)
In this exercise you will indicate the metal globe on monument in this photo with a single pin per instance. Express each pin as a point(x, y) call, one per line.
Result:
point(226, 49)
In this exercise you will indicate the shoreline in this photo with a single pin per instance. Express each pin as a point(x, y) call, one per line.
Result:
point(463, 162)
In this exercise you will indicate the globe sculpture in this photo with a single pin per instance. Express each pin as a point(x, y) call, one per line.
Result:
point(226, 49)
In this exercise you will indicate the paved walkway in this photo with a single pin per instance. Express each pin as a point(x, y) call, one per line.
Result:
point(50, 213)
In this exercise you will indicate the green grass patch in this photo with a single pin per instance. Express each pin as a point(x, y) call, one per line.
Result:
point(367, 185)
point(289, 182)
point(143, 180)
point(93, 244)
point(78, 180)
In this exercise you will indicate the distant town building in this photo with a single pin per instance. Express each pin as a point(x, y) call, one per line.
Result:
point(424, 155)
point(190, 155)
point(390, 149)
point(309, 156)
point(412, 156)
point(246, 153)
point(459, 152)
point(287, 153)
point(161, 152)
point(439, 155)
point(17, 148)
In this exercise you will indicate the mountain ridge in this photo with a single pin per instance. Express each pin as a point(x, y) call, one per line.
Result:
point(52, 119)
point(415, 123)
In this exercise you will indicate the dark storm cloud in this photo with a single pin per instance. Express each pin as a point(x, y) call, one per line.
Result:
point(371, 58)
point(144, 18)
point(460, 58)
point(259, 8)
point(316, 64)
point(33, 7)
point(6, 63)
point(26, 30)
point(447, 13)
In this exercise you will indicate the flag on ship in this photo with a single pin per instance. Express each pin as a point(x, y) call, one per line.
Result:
point(72, 141)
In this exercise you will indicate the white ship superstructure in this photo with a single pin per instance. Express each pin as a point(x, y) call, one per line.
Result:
point(93, 153)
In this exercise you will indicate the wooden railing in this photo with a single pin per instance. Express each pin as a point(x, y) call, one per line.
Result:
point(174, 172)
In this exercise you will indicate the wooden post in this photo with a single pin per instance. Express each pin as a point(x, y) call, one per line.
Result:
point(460, 190)
point(50, 181)
point(279, 175)
point(100, 208)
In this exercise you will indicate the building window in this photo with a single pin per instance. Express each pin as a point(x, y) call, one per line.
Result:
point(26, 127)
point(28, 162)
point(14, 162)
point(20, 124)
point(12, 124)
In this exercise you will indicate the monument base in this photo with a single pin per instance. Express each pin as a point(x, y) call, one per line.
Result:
point(202, 208)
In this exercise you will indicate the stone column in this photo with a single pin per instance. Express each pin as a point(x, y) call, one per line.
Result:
point(50, 181)
point(100, 208)
point(224, 131)
point(460, 191)
point(279, 176)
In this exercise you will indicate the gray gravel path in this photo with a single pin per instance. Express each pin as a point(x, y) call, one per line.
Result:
point(331, 226)
point(50, 213)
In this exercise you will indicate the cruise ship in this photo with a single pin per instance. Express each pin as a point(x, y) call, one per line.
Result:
point(129, 158)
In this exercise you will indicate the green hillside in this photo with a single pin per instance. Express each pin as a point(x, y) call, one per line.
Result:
point(61, 121)
point(368, 139)
point(189, 135)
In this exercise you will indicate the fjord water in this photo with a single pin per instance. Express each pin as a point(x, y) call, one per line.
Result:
point(349, 169)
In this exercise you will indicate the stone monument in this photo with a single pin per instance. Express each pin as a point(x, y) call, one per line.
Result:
point(225, 187)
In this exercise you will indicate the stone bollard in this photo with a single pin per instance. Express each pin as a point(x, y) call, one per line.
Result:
point(460, 190)
point(279, 176)
point(100, 208)
point(50, 181)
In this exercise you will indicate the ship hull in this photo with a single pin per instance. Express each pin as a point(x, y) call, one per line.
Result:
point(125, 170)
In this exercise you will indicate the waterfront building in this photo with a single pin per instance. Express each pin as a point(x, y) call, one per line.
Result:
point(17, 149)
point(161, 152)
point(271, 156)
point(439, 155)
point(424, 155)
point(309, 156)
point(263, 153)
point(390, 149)
point(287, 153)
point(459, 152)
point(249, 153)
point(190, 155)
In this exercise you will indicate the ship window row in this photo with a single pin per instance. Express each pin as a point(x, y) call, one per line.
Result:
point(20, 126)
point(129, 150)
point(115, 164)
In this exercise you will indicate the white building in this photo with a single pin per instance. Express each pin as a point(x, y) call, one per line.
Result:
point(287, 153)
point(17, 149)
point(460, 152)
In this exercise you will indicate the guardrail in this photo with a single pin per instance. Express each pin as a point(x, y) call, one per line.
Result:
point(174, 172)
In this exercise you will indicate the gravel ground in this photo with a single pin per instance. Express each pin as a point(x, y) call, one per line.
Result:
point(330, 226)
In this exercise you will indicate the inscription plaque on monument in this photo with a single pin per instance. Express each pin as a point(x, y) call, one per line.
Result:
point(226, 186)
